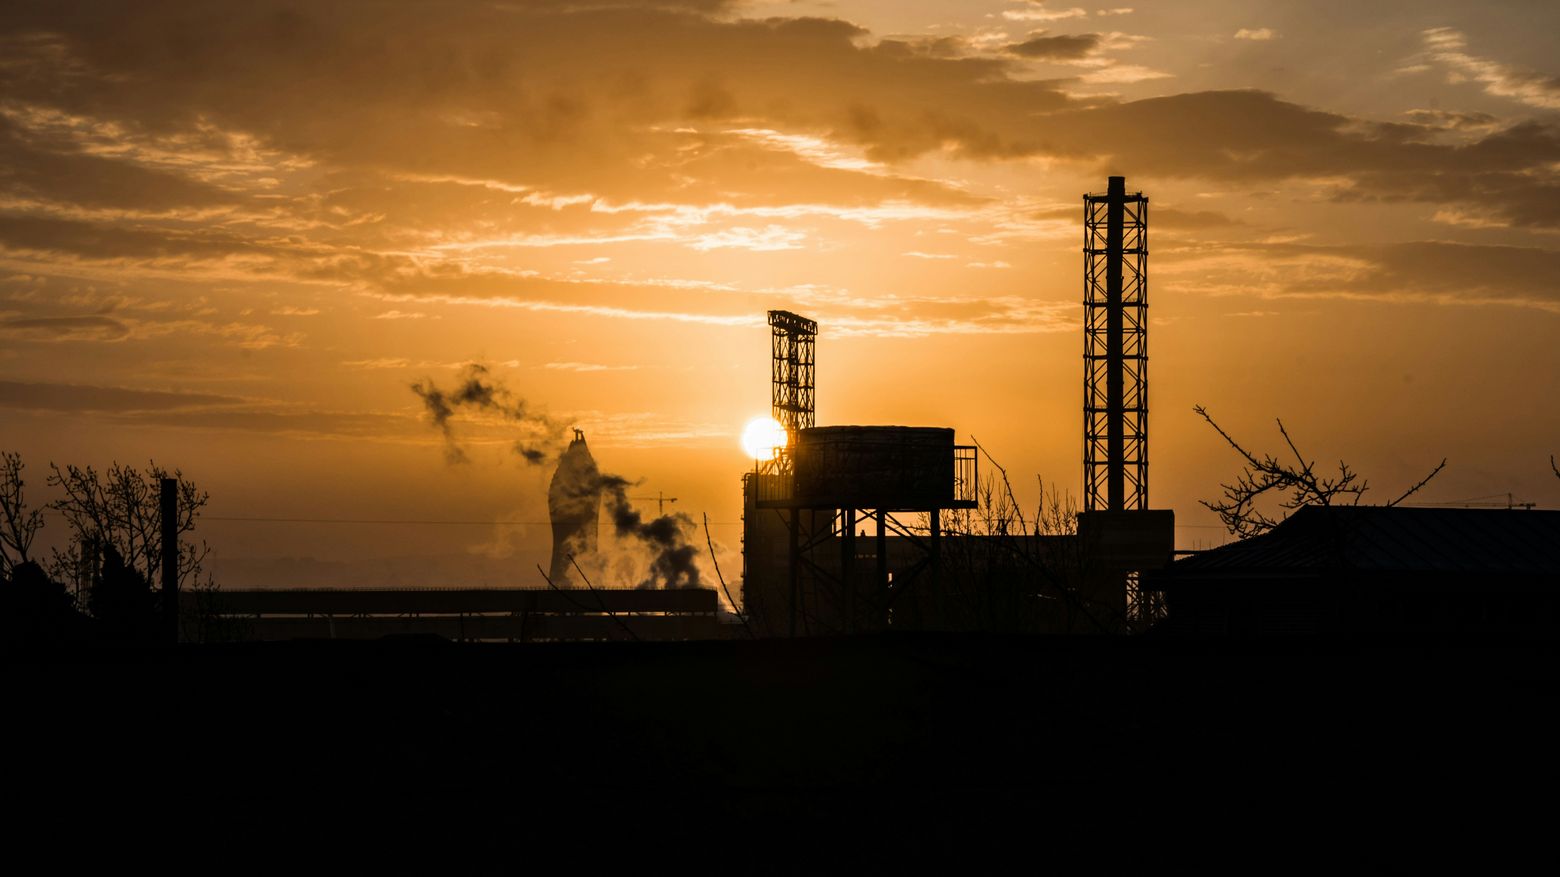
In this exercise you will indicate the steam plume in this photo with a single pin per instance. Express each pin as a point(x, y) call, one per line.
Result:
point(575, 488)
point(666, 537)
point(478, 391)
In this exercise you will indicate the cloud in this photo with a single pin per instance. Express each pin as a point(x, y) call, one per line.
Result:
point(36, 166)
point(1062, 47)
point(766, 239)
point(484, 120)
point(82, 328)
point(429, 149)
point(1177, 219)
point(1436, 118)
point(382, 362)
point(1261, 34)
point(588, 367)
point(1446, 46)
point(1036, 11)
point(137, 407)
point(1123, 73)
point(122, 400)
point(1434, 272)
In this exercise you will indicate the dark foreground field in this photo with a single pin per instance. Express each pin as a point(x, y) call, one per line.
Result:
point(908, 743)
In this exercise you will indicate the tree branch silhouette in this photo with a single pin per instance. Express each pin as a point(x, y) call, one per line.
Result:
point(1297, 483)
point(19, 525)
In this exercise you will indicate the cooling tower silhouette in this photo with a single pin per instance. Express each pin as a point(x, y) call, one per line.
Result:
point(574, 504)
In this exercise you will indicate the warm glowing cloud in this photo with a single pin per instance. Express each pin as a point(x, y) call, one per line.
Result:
point(275, 215)
point(1037, 11)
point(1447, 46)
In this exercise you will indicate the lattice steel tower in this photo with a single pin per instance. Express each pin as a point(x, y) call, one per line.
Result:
point(1115, 349)
point(793, 340)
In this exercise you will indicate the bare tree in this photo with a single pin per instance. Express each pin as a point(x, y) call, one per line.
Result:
point(1016, 571)
point(120, 509)
point(19, 525)
point(1295, 485)
point(1057, 514)
point(1553, 466)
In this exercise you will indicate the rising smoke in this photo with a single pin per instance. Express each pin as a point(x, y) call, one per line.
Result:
point(666, 538)
point(478, 392)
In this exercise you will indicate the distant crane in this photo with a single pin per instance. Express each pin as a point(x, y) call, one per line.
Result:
point(661, 500)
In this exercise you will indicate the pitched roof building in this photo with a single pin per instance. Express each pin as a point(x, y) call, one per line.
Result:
point(1374, 569)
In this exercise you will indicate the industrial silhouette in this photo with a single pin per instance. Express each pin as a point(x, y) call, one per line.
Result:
point(880, 563)
point(856, 529)
point(574, 505)
point(803, 569)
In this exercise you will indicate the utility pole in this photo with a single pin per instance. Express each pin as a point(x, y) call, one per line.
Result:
point(169, 520)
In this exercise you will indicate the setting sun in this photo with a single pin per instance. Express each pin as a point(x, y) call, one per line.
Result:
point(762, 436)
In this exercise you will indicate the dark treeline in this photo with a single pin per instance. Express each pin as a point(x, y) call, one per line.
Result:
point(97, 587)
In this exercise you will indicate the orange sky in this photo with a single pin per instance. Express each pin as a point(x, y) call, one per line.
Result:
point(231, 238)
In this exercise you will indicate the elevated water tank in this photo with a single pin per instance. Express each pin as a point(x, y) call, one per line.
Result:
point(901, 468)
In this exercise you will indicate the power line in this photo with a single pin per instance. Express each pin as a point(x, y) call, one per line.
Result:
point(267, 520)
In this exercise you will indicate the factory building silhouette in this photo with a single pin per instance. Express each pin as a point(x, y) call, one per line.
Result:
point(851, 528)
point(807, 571)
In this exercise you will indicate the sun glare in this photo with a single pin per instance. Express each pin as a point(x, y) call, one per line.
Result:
point(762, 436)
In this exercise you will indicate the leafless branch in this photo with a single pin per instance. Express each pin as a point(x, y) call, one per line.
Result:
point(1296, 484)
point(121, 508)
point(1011, 502)
point(722, 579)
point(1422, 482)
point(600, 603)
point(19, 525)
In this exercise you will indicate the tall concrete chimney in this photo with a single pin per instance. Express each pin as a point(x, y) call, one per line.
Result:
point(574, 505)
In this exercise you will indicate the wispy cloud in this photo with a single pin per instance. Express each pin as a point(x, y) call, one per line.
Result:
point(82, 328)
point(382, 362)
point(770, 237)
point(1123, 74)
point(1447, 46)
point(1259, 34)
point(401, 362)
point(588, 367)
point(1037, 11)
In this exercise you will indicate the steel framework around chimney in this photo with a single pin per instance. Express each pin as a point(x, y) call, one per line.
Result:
point(793, 341)
point(1115, 349)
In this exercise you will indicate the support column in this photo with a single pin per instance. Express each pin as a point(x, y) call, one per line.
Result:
point(936, 563)
point(882, 564)
point(1115, 428)
point(169, 509)
point(847, 564)
point(794, 519)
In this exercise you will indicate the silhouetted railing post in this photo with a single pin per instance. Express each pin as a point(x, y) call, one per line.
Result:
point(847, 567)
point(170, 559)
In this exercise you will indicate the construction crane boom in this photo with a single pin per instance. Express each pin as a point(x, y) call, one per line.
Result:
point(661, 500)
